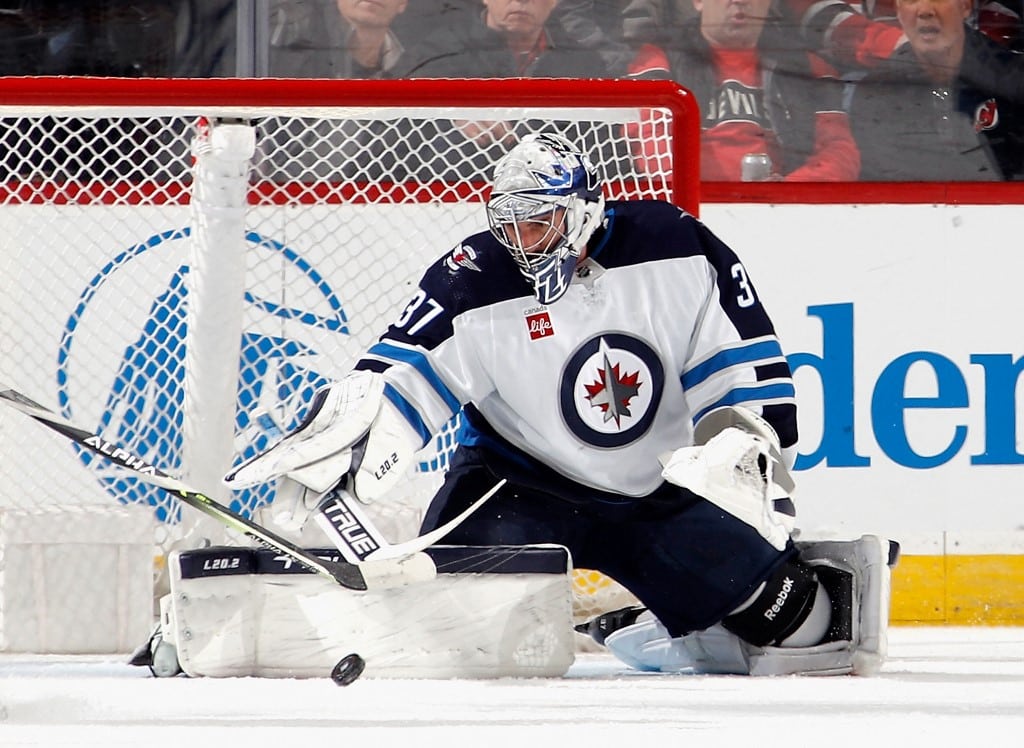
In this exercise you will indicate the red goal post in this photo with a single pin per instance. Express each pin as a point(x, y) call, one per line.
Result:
point(184, 261)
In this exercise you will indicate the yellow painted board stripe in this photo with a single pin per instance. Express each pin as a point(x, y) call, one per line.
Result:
point(918, 590)
point(986, 590)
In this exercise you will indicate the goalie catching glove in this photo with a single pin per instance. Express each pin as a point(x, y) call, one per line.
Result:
point(351, 429)
point(738, 467)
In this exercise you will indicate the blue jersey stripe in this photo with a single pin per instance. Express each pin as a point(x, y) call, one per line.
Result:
point(742, 395)
point(419, 362)
point(408, 412)
point(766, 349)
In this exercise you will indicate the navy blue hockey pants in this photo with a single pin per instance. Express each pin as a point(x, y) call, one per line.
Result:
point(687, 560)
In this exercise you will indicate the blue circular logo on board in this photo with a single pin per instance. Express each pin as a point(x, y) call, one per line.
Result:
point(143, 399)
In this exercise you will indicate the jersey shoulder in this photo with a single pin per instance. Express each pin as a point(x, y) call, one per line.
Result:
point(647, 231)
point(476, 272)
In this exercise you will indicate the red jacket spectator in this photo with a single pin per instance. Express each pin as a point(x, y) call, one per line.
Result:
point(757, 94)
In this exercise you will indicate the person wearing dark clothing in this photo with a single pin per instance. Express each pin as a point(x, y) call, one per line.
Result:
point(613, 28)
point(335, 39)
point(508, 39)
point(948, 106)
point(758, 95)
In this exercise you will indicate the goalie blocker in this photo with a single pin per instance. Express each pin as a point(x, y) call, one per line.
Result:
point(491, 612)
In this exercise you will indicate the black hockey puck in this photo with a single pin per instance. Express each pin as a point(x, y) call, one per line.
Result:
point(348, 669)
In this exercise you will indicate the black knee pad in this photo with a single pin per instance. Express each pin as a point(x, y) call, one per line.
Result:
point(780, 608)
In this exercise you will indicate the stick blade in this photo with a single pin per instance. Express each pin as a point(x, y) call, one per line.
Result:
point(21, 401)
point(397, 572)
point(347, 575)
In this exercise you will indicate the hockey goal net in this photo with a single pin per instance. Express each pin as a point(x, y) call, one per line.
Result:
point(184, 262)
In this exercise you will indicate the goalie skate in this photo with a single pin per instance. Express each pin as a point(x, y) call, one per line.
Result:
point(159, 655)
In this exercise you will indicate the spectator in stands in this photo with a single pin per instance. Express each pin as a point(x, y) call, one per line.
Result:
point(21, 46)
point(861, 35)
point(508, 39)
point(335, 39)
point(130, 40)
point(852, 37)
point(332, 39)
point(758, 95)
point(948, 106)
point(612, 28)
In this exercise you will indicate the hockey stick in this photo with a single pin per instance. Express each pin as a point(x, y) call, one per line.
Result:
point(373, 574)
point(342, 518)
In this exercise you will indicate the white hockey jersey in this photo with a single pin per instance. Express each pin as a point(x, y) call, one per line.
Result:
point(660, 325)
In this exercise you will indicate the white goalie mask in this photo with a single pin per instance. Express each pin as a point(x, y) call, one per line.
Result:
point(545, 204)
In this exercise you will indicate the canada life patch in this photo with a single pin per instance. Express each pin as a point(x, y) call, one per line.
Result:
point(538, 324)
point(986, 116)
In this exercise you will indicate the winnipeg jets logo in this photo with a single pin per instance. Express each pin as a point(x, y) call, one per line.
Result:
point(462, 257)
point(613, 391)
point(611, 388)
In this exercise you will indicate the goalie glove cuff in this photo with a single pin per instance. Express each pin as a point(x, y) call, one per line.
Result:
point(385, 456)
point(351, 428)
point(339, 416)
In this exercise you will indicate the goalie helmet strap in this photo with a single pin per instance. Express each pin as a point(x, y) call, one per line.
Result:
point(782, 605)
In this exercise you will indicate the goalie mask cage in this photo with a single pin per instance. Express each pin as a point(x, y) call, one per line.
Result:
point(185, 261)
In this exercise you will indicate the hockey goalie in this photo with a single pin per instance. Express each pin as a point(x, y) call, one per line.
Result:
point(613, 362)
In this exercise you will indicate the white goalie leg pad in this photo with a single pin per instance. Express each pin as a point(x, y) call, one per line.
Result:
point(490, 613)
point(857, 576)
point(734, 472)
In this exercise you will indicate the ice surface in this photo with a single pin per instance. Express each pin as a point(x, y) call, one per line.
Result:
point(941, 687)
